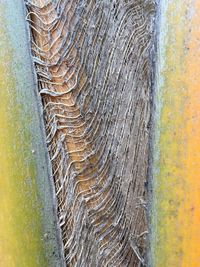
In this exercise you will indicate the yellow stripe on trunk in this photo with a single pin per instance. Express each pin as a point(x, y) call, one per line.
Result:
point(176, 168)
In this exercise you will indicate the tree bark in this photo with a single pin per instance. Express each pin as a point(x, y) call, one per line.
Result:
point(93, 62)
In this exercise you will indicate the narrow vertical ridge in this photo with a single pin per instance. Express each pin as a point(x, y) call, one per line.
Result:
point(175, 214)
point(26, 199)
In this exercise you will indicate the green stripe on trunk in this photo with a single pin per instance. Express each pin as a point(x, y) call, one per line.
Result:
point(28, 225)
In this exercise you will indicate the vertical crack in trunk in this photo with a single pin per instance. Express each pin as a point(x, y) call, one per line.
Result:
point(92, 60)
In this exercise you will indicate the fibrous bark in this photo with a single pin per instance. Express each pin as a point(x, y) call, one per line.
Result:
point(93, 64)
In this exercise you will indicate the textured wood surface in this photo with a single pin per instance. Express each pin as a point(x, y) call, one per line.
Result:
point(93, 62)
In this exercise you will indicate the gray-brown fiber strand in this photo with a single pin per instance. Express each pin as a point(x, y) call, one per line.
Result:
point(93, 65)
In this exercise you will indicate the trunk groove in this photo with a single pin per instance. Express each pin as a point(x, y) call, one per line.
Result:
point(93, 62)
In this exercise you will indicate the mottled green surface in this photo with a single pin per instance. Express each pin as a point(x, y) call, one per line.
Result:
point(28, 235)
